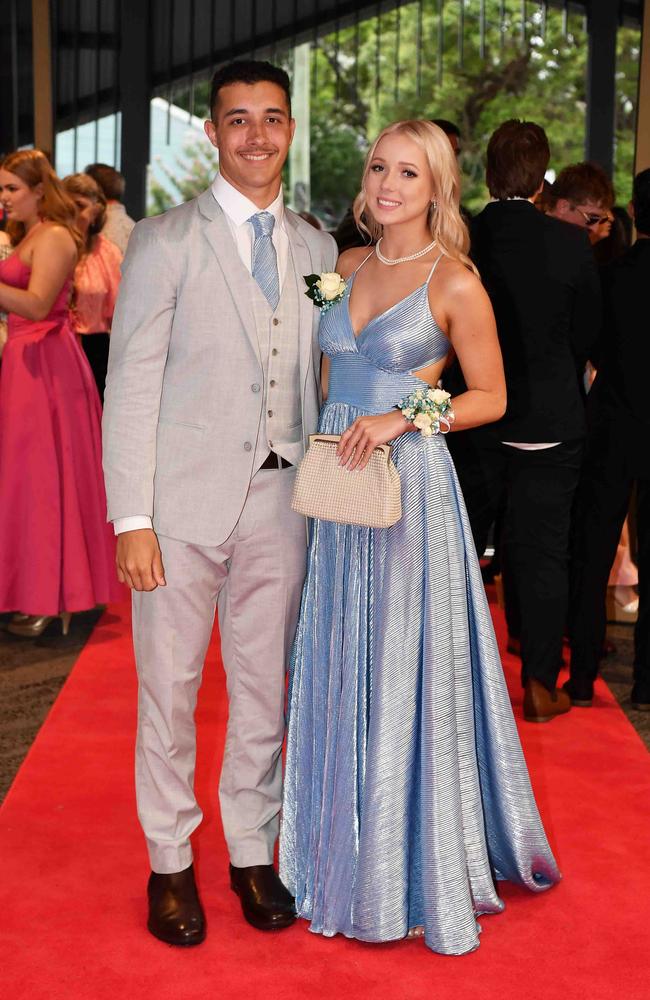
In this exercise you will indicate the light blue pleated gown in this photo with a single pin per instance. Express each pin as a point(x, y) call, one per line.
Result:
point(406, 791)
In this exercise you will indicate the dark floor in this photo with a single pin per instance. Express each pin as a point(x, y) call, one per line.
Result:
point(32, 672)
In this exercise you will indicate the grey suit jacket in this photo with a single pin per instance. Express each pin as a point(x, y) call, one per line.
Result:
point(180, 419)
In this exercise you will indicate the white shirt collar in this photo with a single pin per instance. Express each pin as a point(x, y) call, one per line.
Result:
point(238, 207)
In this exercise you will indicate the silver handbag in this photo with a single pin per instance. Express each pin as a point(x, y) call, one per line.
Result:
point(370, 498)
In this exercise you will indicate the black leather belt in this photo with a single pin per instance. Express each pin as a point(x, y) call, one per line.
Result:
point(273, 461)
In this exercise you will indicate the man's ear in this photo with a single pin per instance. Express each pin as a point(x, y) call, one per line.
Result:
point(210, 130)
point(562, 207)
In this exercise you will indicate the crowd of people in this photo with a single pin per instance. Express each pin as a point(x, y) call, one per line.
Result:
point(523, 320)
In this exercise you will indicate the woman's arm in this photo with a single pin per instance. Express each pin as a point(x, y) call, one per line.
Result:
point(466, 311)
point(53, 258)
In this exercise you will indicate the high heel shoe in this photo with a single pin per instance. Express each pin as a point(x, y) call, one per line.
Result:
point(31, 626)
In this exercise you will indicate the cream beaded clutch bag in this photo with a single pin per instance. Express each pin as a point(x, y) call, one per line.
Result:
point(324, 489)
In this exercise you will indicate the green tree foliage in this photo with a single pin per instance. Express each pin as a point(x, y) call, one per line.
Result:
point(459, 60)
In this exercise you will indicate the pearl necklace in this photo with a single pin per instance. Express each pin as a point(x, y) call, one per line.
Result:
point(402, 260)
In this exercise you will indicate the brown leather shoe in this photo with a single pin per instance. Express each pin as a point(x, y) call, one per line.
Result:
point(542, 705)
point(265, 902)
point(175, 912)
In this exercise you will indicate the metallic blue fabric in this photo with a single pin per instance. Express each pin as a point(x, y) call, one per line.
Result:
point(406, 790)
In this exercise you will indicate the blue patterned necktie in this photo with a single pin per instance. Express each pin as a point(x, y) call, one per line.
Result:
point(264, 260)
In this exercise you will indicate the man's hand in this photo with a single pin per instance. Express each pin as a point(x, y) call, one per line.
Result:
point(139, 562)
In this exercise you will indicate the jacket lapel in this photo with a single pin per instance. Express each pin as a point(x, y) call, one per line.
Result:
point(304, 265)
point(237, 278)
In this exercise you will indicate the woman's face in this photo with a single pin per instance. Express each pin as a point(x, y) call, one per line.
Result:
point(398, 184)
point(87, 212)
point(19, 201)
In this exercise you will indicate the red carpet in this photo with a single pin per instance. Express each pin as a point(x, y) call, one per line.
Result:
point(74, 871)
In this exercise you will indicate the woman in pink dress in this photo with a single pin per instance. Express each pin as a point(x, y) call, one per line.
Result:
point(56, 549)
point(96, 276)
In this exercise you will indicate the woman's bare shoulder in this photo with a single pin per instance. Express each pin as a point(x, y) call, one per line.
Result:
point(54, 236)
point(350, 260)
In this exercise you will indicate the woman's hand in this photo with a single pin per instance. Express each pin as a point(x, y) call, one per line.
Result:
point(357, 443)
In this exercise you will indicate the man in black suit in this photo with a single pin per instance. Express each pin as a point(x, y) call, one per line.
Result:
point(542, 281)
point(617, 456)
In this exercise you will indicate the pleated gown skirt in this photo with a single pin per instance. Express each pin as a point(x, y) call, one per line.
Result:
point(406, 791)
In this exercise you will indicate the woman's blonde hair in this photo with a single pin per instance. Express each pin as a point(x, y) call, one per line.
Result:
point(56, 205)
point(84, 185)
point(445, 221)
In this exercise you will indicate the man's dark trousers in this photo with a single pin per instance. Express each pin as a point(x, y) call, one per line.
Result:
point(539, 488)
point(602, 502)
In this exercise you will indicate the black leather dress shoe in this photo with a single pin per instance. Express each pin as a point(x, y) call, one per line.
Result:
point(580, 698)
point(265, 902)
point(175, 911)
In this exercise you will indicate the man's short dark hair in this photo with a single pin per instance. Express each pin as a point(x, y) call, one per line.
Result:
point(641, 202)
point(449, 128)
point(110, 180)
point(582, 182)
point(249, 71)
point(517, 158)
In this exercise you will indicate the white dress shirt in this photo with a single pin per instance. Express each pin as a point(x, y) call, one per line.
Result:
point(237, 209)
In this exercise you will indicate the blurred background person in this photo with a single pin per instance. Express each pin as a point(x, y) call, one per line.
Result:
point(96, 276)
point(5, 249)
point(56, 549)
point(544, 288)
point(583, 195)
point(118, 224)
point(617, 456)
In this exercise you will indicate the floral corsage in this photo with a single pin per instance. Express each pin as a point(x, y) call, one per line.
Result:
point(325, 290)
point(429, 410)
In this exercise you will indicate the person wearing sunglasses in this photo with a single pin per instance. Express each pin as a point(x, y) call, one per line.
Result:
point(583, 195)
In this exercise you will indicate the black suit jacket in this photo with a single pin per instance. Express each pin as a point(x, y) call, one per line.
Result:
point(621, 392)
point(545, 291)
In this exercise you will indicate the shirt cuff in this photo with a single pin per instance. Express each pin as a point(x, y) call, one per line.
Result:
point(135, 523)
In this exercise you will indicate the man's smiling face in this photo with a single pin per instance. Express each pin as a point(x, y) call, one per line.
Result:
point(252, 128)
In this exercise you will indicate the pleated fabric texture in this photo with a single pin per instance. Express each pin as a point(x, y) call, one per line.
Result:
point(406, 790)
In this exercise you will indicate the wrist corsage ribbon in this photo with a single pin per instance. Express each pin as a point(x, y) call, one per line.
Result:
point(325, 290)
point(429, 410)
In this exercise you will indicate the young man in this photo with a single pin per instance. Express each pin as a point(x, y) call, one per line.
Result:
point(544, 289)
point(212, 391)
point(617, 456)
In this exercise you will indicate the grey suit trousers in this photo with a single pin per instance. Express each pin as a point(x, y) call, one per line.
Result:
point(256, 577)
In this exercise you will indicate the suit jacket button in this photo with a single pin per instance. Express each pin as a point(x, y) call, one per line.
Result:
point(255, 387)
point(275, 321)
point(247, 446)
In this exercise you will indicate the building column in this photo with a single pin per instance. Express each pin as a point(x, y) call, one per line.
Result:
point(135, 97)
point(601, 82)
point(299, 166)
point(42, 70)
point(642, 156)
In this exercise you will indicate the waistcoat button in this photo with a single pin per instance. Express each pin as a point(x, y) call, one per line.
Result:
point(270, 413)
point(274, 351)
point(275, 321)
point(255, 387)
point(272, 383)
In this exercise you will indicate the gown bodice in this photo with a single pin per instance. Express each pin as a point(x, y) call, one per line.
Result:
point(15, 272)
point(374, 369)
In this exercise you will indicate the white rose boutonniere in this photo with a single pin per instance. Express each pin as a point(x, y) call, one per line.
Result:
point(326, 289)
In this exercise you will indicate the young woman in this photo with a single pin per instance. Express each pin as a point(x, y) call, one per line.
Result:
point(56, 550)
point(96, 276)
point(406, 791)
